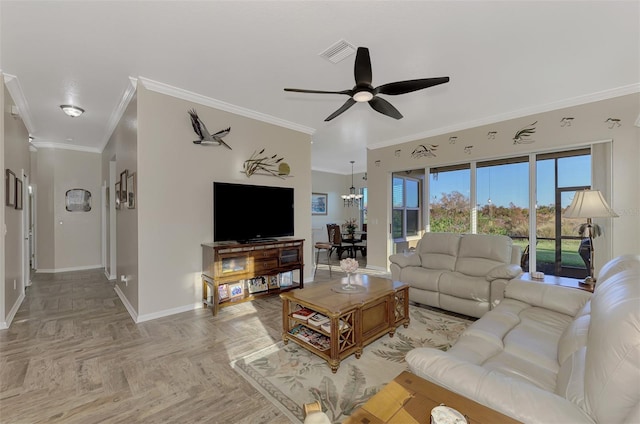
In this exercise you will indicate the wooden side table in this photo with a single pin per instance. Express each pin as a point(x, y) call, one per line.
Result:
point(573, 283)
point(409, 399)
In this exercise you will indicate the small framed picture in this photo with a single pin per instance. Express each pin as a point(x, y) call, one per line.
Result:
point(18, 194)
point(223, 292)
point(10, 188)
point(131, 191)
point(123, 186)
point(117, 194)
point(257, 285)
point(273, 282)
point(319, 203)
point(236, 289)
point(286, 279)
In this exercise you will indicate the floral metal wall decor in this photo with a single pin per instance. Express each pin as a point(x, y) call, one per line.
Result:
point(566, 122)
point(424, 151)
point(491, 135)
point(524, 135)
point(613, 122)
point(260, 164)
point(467, 149)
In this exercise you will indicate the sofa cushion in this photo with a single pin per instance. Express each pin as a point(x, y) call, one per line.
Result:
point(421, 278)
point(480, 253)
point(565, 300)
point(438, 250)
point(464, 286)
point(574, 337)
point(517, 340)
point(513, 397)
point(570, 380)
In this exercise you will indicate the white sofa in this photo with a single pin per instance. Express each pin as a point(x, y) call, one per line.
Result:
point(463, 273)
point(551, 354)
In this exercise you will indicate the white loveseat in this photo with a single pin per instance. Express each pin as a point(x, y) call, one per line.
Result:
point(550, 354)
point(463, 273)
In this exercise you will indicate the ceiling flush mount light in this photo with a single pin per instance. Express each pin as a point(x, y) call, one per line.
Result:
point(72, 111)
point(351, 199)
point(363, 96)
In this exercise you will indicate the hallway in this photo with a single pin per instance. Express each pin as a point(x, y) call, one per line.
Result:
point(74, 355)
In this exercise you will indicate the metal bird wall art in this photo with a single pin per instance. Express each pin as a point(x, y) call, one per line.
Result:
point(207, 139)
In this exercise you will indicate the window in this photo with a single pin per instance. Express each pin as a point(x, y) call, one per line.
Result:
point(449, 201)
point(407, 212)
point(502, 193)
point(363, 208)
point(559, 176)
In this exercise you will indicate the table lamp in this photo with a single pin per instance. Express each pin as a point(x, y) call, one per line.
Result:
point(589, 204)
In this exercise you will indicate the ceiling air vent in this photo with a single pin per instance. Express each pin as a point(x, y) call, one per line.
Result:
point(338, 51)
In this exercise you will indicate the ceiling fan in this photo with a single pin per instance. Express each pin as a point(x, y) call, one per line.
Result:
point(363, 91)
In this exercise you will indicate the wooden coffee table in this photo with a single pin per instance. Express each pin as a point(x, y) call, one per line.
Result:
point(409, 399)
point(379, 309)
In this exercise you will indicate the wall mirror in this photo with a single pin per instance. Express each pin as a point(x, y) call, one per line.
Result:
point(78, 200)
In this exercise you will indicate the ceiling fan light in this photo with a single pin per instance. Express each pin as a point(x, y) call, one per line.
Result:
point(362, 96)
point(72, 111)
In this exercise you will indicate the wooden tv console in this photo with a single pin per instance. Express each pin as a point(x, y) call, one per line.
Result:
point(245, 268)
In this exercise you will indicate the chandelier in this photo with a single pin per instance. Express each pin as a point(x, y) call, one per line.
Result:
point(351, 199)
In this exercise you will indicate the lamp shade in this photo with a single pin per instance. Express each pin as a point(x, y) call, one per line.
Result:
point(589, 204)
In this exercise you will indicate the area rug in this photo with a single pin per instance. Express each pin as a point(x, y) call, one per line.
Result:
point(290, 376)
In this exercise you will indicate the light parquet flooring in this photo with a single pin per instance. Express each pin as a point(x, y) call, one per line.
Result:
point(74, 355)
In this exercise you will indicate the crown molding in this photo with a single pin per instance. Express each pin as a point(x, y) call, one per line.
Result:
point(118, 111)
point(15, 90)
point(43, 144)
point(571, 102)
point(189, 96)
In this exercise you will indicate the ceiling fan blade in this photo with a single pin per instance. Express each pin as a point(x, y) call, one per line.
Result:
point(402, 87)
point(362, 67)
point(301, 90)
point(344, 107)
point(384, 107)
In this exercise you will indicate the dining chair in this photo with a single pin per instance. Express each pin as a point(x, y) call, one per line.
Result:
point(322, 245)
point(335, 238)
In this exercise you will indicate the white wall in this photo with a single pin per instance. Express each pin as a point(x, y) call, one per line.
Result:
point(335, 185)
point(15, 156)
point(588, 126)
point(175, 192)
point(66, 240)
point(3, 306)
point(123, 148)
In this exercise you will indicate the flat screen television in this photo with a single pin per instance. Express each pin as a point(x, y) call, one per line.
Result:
point(248, 213)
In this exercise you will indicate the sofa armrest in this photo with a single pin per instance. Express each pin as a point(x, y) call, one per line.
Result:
point(404, 261)
point(565, 300)
point(516, 398)
point(505, 272)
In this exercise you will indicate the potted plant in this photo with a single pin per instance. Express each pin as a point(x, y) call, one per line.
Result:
point(350, 227)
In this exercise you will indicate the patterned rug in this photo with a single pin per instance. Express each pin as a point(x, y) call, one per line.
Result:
point(290, 376)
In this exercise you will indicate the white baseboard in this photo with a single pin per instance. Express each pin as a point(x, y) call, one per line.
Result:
point(75, 268)
point(155, 315)
point(12, 313)
point(111, 277)
point(125, 301)
point(167, 312)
